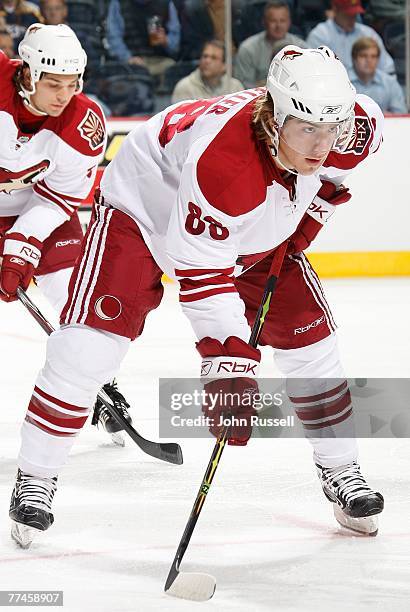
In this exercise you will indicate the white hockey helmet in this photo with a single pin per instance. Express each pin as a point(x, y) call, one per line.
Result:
point(310, 84)
point(52, 48)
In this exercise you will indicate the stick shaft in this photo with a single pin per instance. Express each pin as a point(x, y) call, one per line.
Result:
point(273, 275)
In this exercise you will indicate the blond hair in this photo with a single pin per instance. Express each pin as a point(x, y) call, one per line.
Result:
point(262, 118)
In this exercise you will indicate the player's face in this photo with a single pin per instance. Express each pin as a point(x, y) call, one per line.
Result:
point(54, 92)
point(304, 146)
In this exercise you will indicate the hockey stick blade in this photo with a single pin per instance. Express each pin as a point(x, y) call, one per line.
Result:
point(169, 452)
point(193, 586)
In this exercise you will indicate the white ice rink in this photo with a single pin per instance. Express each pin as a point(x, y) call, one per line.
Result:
point(266, 531)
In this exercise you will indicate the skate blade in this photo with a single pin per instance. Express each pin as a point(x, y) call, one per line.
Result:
point(118, 438)
point(366, 525)
point(23, 535)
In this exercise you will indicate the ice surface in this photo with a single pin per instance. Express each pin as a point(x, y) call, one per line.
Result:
point(266, 531)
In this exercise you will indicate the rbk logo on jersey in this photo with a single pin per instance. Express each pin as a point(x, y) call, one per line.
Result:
point(23, 179)
point(291, 54)
point(92, 130)
point(302, 330)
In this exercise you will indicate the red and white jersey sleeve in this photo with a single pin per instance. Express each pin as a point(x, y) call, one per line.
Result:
point(45, 176)
point(366, 140)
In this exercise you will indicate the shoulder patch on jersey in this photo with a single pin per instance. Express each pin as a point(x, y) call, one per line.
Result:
point(362, 134)
point(92, 129)
point(359, 146)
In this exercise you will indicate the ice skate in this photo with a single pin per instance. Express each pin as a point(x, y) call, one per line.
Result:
point(30, 507)
point(104, 420)
point(355, 504)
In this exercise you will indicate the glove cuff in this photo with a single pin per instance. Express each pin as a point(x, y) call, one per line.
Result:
point(320, 210)
point(231, 359)
point(24, 248)
point(229, 367)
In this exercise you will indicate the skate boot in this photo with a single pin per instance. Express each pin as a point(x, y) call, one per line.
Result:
point(355, 504)
point(30, 507)
point(104, 420)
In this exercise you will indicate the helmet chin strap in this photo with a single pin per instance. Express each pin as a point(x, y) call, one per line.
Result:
point(275, 155)
point(26, 100)
point(273, 134)
point(282, 165)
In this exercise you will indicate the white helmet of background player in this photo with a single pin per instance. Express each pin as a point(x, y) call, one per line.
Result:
point(52, 48)
point(311, 85)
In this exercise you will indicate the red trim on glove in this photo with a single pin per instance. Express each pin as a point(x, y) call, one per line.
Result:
point(232, 347)
point(334, 194)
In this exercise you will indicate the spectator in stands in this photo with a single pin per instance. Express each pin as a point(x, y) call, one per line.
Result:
point(209, 79)
point(380, 12)
point(255, 53)
point(368, 79)
point(6, 44)
point(18, 15)
point(203, 20)
point(144, 33)
point(54, 11)
point(341, 32)
point(249, 20)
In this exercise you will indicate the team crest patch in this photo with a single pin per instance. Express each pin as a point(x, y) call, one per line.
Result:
point(362, 134)
point(23, 179)
point(291, 54)
point(91, 129)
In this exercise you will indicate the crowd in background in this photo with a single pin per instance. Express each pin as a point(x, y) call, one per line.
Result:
point(145, 54)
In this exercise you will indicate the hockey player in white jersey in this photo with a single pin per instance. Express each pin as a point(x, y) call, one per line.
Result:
point(52, 139)
point(206, 191)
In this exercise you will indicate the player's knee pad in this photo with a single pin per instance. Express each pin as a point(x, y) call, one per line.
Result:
point(318, 360)
point(79, 361)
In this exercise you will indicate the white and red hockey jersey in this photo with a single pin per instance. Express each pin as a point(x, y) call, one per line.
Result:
point(44, 176)
point(210, 201)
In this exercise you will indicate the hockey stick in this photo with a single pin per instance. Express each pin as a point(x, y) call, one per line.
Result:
point(199, 586)
point(166, 451)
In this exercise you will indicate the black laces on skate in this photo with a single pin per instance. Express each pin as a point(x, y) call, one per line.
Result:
point(116, 396)
point(35, 491)
point(346, 481)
